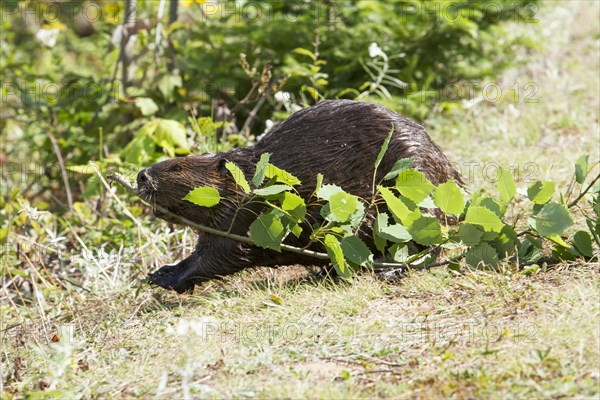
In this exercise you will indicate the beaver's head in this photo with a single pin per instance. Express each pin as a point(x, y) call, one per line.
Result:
point(166, 183)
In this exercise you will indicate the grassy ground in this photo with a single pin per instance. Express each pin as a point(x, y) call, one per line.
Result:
point(269, 333)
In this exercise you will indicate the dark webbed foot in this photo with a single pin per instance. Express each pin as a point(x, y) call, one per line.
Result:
point(169, 277)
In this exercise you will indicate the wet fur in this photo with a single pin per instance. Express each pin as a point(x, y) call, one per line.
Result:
point(339, 138)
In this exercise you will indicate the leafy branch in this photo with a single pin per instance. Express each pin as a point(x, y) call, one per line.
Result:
point(116, 177)
point(405, 228)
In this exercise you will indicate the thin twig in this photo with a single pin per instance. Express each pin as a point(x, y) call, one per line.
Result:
point(63, 170)
point(584, 192)
point(159, 16)
point(250, 120)
point(123, 182)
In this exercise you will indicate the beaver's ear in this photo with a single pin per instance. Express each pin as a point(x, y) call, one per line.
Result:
point(221, 166)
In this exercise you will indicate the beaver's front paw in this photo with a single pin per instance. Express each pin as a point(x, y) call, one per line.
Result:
point(168, 277)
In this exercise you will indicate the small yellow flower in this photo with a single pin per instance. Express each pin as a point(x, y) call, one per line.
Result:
point(187, 3)
point(54, 25)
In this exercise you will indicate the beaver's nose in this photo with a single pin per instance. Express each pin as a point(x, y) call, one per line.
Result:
point(142, 178)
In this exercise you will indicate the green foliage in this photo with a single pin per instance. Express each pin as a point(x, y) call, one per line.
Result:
point(261, 170)
point(541, 192)
point(336, 254)
point(484, 235)
point(267, 231)
point(356, 251)
point(485, 218)
point(400, 166)
point(278, 175)
point(169, 135)
point(342, 205)
point(553, 219)
point(403, 54)
point(506, 185)
point(272, 190)
point(413, 185)
point(449, 198)
point(426, 231)
point(581, 169)
point(204, 196)
point(238, 175)
point(326, 51)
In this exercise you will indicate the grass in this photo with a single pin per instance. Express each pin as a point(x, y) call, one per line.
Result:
point(272, 334)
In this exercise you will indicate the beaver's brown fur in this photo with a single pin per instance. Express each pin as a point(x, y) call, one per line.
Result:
point(339, 138)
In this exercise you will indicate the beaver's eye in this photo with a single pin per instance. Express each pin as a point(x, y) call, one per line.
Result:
point(175, 168)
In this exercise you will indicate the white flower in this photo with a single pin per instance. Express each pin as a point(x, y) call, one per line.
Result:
point(117, 36)
point(375, 50)
point(203, 327)
point(283, 97)
point(47, 36)
point(268, 125)
point(32, 212)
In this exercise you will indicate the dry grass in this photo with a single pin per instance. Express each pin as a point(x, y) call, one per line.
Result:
point(271, 334)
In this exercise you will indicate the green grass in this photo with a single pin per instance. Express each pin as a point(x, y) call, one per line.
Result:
point(271, 334)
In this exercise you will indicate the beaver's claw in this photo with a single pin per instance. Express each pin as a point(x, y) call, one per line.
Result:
point(168, 277)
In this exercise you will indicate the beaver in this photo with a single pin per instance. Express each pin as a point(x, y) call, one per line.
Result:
point(338, 138)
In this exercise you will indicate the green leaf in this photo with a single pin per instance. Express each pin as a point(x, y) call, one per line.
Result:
point(305, 52)
point(204, 196)
point(271, 190)
point(485, 218)
point(171, 136)
point(357, 216)
point(564, 253)
point(558, 240)
point(483, 253)
point(267, 231)
point(414, 185)
point(395, 233)
point(541, 192)
point(581, 169)
point(140, 150)
point(594, 229)
point(399, 252)
point(296, 230)
point(294, 205)
point(384, 148)
point(81, 169)
point(312, 92)
point(336, 254)
point(583, 243)
point(167, 85)
point(506, 242)
point(326, 191)
point(426, 231)
point(449, 198)
point(238, 176)
point(469, 234)
point(261, 170)
point(553, 219)
point(281, 176)
point(530, 250)
point(381, 221)
point(398, 209)
point(506, 185)
point(356, 250)
point(146, 105)
point(343, 205)
point(319, 183)
point(492, 205)
point(400, 166)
